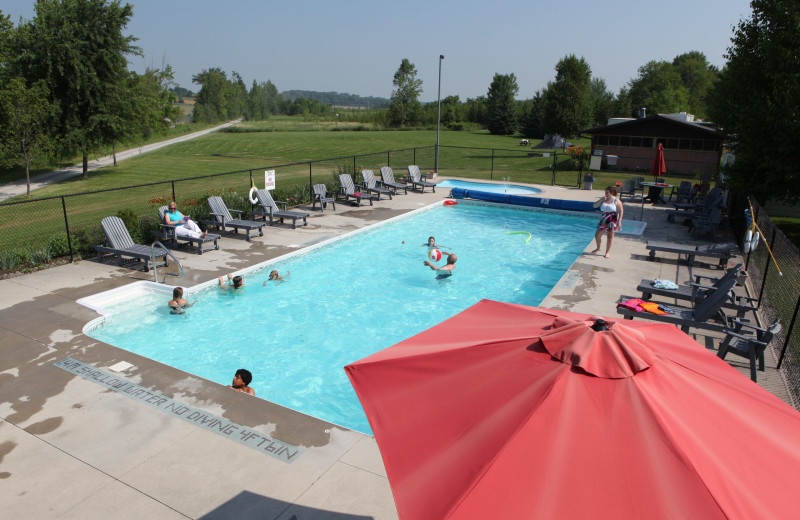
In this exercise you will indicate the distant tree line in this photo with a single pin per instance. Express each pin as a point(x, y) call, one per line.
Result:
point(337, 99)
point(65, 88)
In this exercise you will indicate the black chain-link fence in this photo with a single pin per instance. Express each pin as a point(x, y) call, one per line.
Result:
point(33, 232)
point(774, 271)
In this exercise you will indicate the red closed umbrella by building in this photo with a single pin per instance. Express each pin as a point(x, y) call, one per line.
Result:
point(659, 167)
point(509, 411)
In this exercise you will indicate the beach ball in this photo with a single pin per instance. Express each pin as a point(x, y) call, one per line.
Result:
point(435, 255)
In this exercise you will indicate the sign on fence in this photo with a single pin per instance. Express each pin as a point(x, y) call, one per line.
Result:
point(269, 179)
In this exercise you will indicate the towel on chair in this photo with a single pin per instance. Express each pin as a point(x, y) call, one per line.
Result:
point(664, 284)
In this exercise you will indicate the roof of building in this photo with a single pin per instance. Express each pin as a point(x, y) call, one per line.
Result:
point(659, 126)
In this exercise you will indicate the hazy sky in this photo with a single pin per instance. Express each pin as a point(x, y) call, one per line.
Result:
point(355, 46)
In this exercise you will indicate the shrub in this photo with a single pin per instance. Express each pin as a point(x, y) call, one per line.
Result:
point(85, 238)
point(58, 245)
point(131, 220)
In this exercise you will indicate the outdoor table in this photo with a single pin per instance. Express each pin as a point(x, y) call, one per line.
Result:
point(655, 192)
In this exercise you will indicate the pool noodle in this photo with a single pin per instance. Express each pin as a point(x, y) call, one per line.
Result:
point(520, 233)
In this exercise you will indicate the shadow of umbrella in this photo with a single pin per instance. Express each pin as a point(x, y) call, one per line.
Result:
point(508, 411)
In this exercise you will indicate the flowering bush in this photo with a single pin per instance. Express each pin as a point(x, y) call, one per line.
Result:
point(577, 156)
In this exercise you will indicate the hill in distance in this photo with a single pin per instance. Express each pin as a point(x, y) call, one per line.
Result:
point(337, 99)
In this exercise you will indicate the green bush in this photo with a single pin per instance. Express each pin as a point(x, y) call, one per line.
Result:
point(85, 238)
point(58, 245)
point(131, 220)
point(147, 225)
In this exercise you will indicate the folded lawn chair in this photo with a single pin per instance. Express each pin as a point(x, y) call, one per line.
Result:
point(750, 347)
point(269, 208)
point(221, 219)
point(321, 196)
point(722, 251)
point(681, 192)
point(707, 314)
point(695, 292)
point(387, 181)
point(348, 190)
point(120, 245)
point(704, 206)
point(168, 233)
point(371, 185)
point(415, 178)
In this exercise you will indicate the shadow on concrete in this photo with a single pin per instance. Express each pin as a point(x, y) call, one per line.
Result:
point(252, 505)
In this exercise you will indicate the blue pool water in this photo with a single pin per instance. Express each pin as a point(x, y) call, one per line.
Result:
point(510, 189)
point(350, 298)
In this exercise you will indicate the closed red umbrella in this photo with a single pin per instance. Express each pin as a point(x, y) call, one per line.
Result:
point(508, 411)
point(659, 167)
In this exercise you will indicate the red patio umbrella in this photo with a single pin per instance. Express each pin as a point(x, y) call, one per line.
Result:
point(659, 167)
point(508, 411)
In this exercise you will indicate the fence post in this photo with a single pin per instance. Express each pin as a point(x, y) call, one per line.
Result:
point(388, 158)
point(173, 192)
point(310, 179)
point(789, 333)
point(415, 156)
point(66, 225)
point(754, 217)
point(251, 178)
point(491, 171)
point(555, 159)
point(766, 269)
point(354, 165)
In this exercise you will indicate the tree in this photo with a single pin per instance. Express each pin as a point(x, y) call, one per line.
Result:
point(659, 88)
point(532, 118)
point(500, 105)
point(757, 97)
point(77, 47)
point(698, 77)
point(567, 101)
point(405, 107)
point(25, 113)
point(602, 101)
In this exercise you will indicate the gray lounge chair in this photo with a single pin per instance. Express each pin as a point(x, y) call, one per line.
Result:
point(722, 251)
point(120, 245)
point(387, 181)
point(681, 192)
point(688, 211)
point(269, 208)
point(168, 234)
point(707, 314)
point(371, 185)
point(221, 219)
point(348, 190)
point(629, 190)
point(708, 223)
point(749, 347)
point(321, 196)
point(696, 291)
point(415, 178)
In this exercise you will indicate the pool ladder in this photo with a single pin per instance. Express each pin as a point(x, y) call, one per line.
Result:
point(155, 264)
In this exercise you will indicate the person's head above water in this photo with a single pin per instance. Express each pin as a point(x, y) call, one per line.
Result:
point(451, 258)
point(244, 375)
point(237, 281)
point(273, 275)
point(431, 241)
point(177, 293)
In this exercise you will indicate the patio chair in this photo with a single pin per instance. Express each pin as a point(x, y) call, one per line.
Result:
point(348, 190)
point(706, 314)
point(168, 233)
point(321, 196)
point(628, 189)
point(749, 347)
point(371, 185)
point(415, 178)
point(681, 192)
point(722, 251)
point(387, 181)
point(638, 180)
point(269, 208)
point(120, 245)
point(701, 206)
point(221, 219)
point(696, 291)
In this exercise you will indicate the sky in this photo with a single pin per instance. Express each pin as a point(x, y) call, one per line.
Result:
point(356, 46)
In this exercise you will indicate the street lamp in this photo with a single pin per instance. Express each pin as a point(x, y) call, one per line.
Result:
point(438, 114)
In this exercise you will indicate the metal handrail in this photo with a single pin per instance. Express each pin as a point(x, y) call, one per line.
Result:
point(155, 265)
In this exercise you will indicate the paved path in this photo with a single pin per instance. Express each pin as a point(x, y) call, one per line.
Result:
point(16, 188)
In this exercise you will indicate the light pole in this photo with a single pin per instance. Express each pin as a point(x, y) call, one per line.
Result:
point(438, 114)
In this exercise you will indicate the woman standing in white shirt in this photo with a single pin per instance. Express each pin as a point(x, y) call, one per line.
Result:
point(611, 220)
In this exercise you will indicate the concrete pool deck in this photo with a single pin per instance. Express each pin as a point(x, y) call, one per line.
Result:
point(114, 441)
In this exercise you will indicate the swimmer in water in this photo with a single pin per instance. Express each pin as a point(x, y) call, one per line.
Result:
point(237, 281)
point(178, 304)
point(432, 243)
point(275, 277)
point(447, 269)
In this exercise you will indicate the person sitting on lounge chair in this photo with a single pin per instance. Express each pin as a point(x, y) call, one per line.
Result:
point(184, 225)
point(237, 281)
point(447, 268)
point(178, 304)
point(241, 380)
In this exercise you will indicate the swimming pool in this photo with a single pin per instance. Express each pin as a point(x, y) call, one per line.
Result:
point(349, 298)
point(511, 189)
